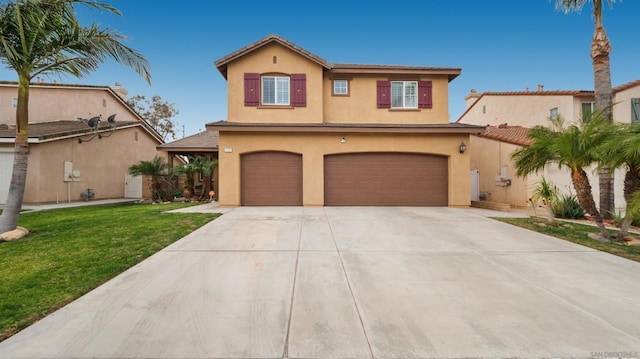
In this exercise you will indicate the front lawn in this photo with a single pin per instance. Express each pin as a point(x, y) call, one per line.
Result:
point(71, 251)
point(576, 233)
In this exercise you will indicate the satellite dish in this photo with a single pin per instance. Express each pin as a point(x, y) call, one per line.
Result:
point(112, 119)
point(94, 121)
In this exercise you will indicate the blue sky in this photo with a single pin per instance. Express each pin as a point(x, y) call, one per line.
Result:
point(500, 45)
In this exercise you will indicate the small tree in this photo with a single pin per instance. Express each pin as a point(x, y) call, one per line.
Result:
point(154, 169)
point(157, 112)
point(548, 193)
point(205, 167)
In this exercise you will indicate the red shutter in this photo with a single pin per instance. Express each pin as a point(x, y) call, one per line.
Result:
point(251, 89)
point(298, 90)
point(425, 96)
point(384, 94)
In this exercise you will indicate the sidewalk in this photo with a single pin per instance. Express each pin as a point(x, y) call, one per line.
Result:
point(46, 206)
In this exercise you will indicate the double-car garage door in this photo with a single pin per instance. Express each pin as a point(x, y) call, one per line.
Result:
point(353, 179)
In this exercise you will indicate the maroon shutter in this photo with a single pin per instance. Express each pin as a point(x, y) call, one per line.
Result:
point(298, 90)
point(384, 94)
point(425, 96)
point(251, 89)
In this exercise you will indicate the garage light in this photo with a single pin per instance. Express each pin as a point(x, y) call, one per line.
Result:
point(463, 147)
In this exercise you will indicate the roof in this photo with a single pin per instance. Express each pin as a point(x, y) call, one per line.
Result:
point(47, 131)
point(343, 127)
point(516, 135)
point(206, 141)
point(222, 63)
point(626, 86)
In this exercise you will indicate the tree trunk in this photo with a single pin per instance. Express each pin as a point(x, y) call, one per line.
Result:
point(585, 197)
point(600, 50)
point(11, 212)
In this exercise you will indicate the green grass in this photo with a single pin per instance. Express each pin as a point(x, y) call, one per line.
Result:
point(576, 233)
point(72, 251)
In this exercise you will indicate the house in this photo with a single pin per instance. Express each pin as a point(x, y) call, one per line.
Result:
point(69, 160)
point(303, 131)
point(508, 115)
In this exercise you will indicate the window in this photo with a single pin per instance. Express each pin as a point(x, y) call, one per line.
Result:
point(404, 94)
point(553, 113)
point(587, 109)
point(635, 110)
point(341, 87)
point(14, 103)
point(275, 90)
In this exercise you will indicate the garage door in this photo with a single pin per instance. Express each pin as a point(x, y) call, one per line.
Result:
point(6, 168)
point(271, 179)
point(385, 179)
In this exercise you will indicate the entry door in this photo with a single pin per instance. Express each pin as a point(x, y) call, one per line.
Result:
point(132, 186)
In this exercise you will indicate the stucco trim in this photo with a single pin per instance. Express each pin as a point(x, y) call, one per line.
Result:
point(224, 126)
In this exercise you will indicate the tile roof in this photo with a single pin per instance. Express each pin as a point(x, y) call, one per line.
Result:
point(516, 135)
point(626, 86)
point(221, 63)
point(201, 140)
point(53, 130)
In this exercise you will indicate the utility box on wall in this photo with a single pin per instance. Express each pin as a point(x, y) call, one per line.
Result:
point(69, 174)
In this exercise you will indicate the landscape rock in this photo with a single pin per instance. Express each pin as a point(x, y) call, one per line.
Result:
point(598, 237)
point(13, 235)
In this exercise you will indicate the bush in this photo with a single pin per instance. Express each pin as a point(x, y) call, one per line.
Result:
point(567, 206)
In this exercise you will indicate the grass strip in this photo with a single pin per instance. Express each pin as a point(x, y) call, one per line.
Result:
point(73, 250)
point(576, 233)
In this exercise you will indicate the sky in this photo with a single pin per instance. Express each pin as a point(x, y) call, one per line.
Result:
point(499, 45)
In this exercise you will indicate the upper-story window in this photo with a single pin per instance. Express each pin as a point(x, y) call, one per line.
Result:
point(275, 90)
point(341, 87)
point(553, 113)
point(404, 94)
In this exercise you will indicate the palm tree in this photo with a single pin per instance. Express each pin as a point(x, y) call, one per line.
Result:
point(600, 50)
point(154, 169)
point(43, 37)
point(188, 170)
point(548, 193)
point(574, 147)
point(205, 167)
point(622, 149)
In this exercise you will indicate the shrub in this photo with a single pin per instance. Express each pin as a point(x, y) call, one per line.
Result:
point(567, 206)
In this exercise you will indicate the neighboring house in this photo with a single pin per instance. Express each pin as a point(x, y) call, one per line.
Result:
point(510, 114)
point(302, 131)
point(68, 159)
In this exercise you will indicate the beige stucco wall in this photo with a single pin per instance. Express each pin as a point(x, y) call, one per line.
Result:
point(102, 163)
point(622, 104)
point(361, 104)
point(488, 156)
point(287, 62)
point(521, 110)
point(48, 104)
point(313, 147)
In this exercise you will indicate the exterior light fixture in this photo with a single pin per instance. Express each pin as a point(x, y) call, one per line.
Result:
point(463, 147)
point(343, 140)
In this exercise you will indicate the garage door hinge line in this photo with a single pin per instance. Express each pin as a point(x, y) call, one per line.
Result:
point(346, 277)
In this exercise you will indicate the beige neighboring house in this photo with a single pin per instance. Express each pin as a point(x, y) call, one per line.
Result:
point(303, 131)
point(507, 117)
point(68, 159)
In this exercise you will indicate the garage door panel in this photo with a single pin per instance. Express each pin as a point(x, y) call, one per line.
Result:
point(390, 179)
point(271, 179)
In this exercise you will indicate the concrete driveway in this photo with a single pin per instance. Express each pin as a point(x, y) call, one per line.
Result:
point(353, 283)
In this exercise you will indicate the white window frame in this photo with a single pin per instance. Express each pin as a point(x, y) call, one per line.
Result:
point(341, 90)
point(404, 94)
point(280, 97)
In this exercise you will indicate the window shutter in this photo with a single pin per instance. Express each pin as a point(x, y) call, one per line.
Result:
point(635, 110)
point(425, 96)
point(384, 94)
point(251, 89)
point(298, 90)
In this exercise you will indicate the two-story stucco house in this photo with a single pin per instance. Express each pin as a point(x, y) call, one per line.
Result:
point(303, 131)
point(508, 116)
point(68, 159)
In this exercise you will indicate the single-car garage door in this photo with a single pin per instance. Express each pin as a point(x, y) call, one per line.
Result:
point(271, 179)
point(385, 179)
